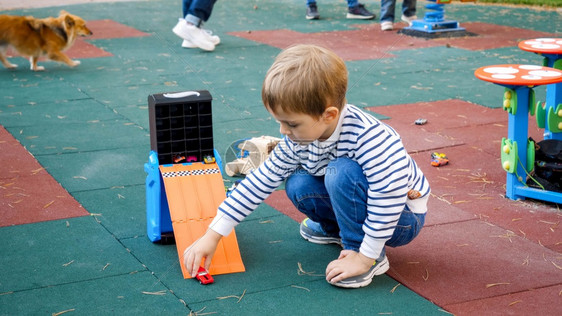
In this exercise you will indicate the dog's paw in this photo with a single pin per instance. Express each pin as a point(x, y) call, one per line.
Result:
point(75, 63)
point(38, 68)
point(11, 66)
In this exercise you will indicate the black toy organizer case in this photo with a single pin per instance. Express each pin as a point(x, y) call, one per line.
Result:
point(181, 128)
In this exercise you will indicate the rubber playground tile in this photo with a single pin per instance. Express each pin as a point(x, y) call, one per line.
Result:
point(271, 249)
point(125, 294)
point(344, 43)
point(72, 111)
point(280, 201)
point(488, 137)
point(466, 265)
point(534, 301)
point(384, 296)
point(48, 139)
point(492, 36)
point(107, 28)
point(98, 169)
point(49, 91)
point(481, 191)
point(442, 115)
point(121, 209)
point(16, 161)
point(61, 252)
point(29, 193)
point(136, 114)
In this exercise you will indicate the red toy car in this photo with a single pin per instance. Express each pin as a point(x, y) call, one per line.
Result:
point(204, 277)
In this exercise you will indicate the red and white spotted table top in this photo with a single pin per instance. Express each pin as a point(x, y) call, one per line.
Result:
point(542, 45)
point(519, 75)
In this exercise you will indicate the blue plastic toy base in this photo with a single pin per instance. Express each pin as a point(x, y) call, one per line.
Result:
point(435, 26)
point(158, 221)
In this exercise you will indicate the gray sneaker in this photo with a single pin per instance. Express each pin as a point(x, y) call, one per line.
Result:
point(378, 268)
point(313, 232)
point(359, 13)
point(312, 12)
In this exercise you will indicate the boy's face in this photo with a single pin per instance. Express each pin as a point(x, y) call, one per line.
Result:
point(303, 128)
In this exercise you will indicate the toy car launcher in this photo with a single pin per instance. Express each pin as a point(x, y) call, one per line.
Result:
point(517, 152)
point(184, 186)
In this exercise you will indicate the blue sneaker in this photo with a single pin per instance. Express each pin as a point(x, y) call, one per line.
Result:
point(313, 232)
point(378, 268)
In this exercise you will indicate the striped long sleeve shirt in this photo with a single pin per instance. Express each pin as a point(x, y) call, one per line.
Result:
point(375, 146)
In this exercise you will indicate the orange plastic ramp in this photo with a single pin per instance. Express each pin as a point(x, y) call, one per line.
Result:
point(194, 193)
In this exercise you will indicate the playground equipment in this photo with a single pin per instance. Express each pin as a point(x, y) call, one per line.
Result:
point(517, 152)
point(434, 23)
point(184, 186)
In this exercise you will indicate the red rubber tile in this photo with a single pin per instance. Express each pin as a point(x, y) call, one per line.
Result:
point(475, 183)
point(442, 114)
point(279, 201)
point(105, 29)
point(473, 260)
point(491, 36)
point(28, 193)
point(532, 302)
point(344, 43)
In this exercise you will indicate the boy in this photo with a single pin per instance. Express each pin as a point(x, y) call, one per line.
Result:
point(346, 170)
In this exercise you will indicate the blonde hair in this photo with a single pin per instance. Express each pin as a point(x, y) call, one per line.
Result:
point(305, 79)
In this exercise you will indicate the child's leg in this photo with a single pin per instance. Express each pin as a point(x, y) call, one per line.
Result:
point(310, 197)
point(347, 187)
point(408, 227)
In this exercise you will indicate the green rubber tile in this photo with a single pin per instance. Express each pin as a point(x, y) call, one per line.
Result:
point(40, 92)
point(98, 169)
point(121, 210)
point(72, 111)
point(60, 252)
point(76, 137)
point(125, 294)
point(137, 114)
point(271, 249)
point(383, 297)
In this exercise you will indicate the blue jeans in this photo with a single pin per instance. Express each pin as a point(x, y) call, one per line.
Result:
point(350, 3)
point(338, 202)
point(388, 6)
point(197, 11)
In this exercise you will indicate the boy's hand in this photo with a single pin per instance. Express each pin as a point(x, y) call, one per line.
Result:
point(349, 264)
point(203, 248)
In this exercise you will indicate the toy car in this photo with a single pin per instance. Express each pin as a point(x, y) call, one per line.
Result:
point(439, 159)
point(209, 159)
point(204, 277)
point(420, 121)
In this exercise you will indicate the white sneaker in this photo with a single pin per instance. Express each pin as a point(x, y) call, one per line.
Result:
point(409, 19)
point(214, 39)
point(195, 35)
point(387, 26)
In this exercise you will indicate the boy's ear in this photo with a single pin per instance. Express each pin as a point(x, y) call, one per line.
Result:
point(330, 114)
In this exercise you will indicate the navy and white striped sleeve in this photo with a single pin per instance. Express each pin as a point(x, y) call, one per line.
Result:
point(256, 187)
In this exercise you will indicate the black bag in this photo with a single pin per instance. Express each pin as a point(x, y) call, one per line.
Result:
point(548, 165)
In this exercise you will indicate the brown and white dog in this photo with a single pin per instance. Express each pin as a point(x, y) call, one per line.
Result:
point(34, 37)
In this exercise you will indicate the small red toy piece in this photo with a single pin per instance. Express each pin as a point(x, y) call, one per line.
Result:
point(204, 277)
point(438, 160)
